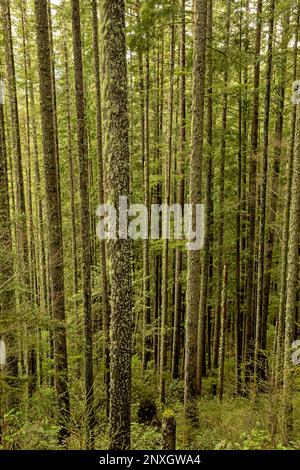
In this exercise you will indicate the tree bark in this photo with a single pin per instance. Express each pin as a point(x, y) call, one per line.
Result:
point(180, 200)
point(222, 190)
point(223, 334)
point(167, 197)
point(101, 181)
point(252, 196)
point(285, 229)
point(85, 223)
point(56, 259)
point(258, 352)
point(116, 151)
point(193, 268)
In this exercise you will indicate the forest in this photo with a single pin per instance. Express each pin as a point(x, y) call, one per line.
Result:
point(161, 113)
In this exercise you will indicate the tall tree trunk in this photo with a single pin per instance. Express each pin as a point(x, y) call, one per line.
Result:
point(85, 223)
point(56, 259)
point(238, 314)
point(158, 198)
point(40, 222)
point(285, 229)
point(30, 343)
point(180, 200)
point(258, 358)
point(271, 234)
point(18, 165)
point(7, 295)
point(104, 280)
point(210, 177)
point(292, 285)
point(207, 252)
point(252, 196)
point(13, 101)
point(146, 247)
point(52, 55)
point(116, 151)
point(72, 179)
point(193, 267)
point(222, 190)
point(167, 197)
point(245, 111)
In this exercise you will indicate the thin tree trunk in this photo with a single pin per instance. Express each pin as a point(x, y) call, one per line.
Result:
point(258, 358)
point(180, 200)
point(222, 190)
point(223, 333)
point(13, 101)
point(207, 252)
point(31, 345)
point(72, 167)
point(271, 235)
point(104, 280)
point(252, 196)
point(7, 295)
point(167, 193)
point(238, 314)
point(209, 177)
point(146, 248)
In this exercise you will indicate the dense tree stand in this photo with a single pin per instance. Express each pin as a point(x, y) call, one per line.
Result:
point(149, 224)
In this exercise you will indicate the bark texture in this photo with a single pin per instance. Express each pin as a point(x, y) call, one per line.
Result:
point(194, 268)
point(116, 151)
point(56, 258)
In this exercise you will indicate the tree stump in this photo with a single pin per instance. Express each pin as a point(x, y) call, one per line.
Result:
point(168, 431)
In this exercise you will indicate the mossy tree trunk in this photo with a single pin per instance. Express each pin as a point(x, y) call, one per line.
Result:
point(85, 223)
point(223, 152)
point(285, 228)
point(223, 333)
point(116, 155)
point(104, 278)
point(252, 202)
point(164, 342)
point(180, 200)
point(56, 258)
point(292, 285)
point(258, 353)
point(193, 263)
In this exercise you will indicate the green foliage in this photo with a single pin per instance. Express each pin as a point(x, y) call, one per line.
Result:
point(168, 413)
point(175, 392)
point(145, 437)
point(150, 15)
point(12, 430)
point(142, 386)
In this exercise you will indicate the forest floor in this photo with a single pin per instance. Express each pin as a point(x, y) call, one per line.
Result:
point(237, 424)
point(234, 423)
